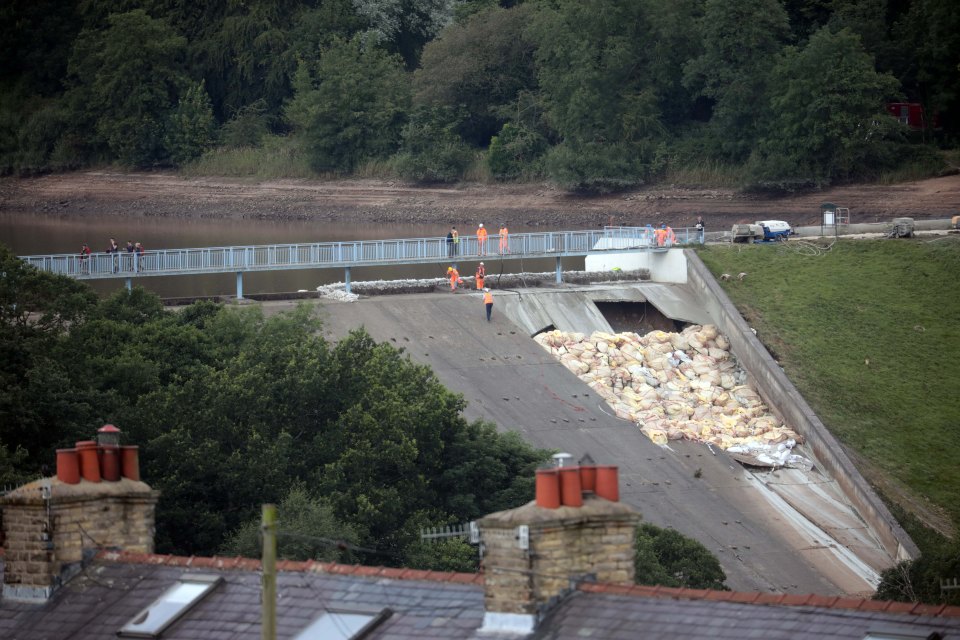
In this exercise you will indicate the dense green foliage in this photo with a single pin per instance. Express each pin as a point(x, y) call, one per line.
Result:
point(230, 409)
point(594, 96)
point(670, 559)
point(868, 332)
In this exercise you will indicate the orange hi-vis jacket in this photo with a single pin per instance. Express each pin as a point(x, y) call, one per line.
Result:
point(487, 297)
point(504, 234)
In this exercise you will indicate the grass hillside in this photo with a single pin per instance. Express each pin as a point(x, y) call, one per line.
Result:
point(869, 331)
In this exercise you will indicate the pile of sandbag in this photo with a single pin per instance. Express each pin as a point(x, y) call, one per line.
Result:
point(672, 385)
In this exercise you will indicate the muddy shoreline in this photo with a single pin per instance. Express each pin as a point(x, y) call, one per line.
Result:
point(167, 195)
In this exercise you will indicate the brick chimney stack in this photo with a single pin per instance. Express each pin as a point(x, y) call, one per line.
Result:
point(53, 524)
point(535, 553)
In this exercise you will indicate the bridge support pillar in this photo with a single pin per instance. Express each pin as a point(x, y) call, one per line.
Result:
point(239, 285)
point(559, 270)
point(346, 279)
point(129, 284)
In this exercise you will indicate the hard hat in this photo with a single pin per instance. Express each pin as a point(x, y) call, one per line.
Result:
point(449, 268)
point(481, 225)
point(486, 289)
point(481, 264)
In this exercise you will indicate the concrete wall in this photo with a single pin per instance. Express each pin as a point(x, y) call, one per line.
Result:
point(779, 393)
point(664, 266)
point(564, 310)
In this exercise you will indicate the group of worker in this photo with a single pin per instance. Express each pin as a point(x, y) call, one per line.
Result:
point(664, 236)
point(457, 281)
point(453, 241)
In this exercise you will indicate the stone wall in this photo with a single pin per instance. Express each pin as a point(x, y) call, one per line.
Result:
point(49, 525)
point(565, 544)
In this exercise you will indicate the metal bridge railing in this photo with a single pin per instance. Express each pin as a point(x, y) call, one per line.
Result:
point(347, 254)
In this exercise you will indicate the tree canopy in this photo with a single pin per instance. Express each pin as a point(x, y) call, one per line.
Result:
point(231, 409)
point(598, 95)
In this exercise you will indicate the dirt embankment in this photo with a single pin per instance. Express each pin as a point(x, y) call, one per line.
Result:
point(165, 194)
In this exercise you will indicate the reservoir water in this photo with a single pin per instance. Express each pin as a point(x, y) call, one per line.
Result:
point(33, 235)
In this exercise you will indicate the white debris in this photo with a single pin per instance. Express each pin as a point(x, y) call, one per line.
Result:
point(769, 455)
point(337, 291)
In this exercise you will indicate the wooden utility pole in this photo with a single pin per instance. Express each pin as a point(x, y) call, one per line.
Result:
point(268, 629)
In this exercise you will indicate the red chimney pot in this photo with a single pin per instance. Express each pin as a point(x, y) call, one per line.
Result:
point(608, 482)
point(571, 495)
point(89, 462)
point(68, 466)
point(548, 488)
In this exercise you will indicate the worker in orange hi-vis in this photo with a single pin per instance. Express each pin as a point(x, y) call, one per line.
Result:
point(481, 274)
point(488, 302)
point(504, 239)
point(661, 235)
point(669, 236)
point(481, 240)
point(454, 276)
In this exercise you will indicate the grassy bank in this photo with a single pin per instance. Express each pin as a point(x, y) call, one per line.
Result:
point(869, 331)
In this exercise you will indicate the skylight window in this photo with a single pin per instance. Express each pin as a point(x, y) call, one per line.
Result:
point(343, 624)
point(173, 603)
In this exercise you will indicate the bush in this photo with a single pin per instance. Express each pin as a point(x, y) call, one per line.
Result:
point(775, 174)
point(248, 127)
point(595, 167)
point(430, 150)
point(668, 558)
point(515, 152)
point(444, 163)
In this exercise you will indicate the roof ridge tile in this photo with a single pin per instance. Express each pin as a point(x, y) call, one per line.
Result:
point(240, 563)
point(774, 599)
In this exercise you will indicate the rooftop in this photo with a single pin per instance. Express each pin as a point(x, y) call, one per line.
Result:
point(116, 586)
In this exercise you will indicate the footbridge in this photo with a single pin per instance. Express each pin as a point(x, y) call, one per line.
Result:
point(361, 253)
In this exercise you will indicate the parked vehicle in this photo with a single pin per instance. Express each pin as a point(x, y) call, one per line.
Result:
point(762, 231)
point(902, 228)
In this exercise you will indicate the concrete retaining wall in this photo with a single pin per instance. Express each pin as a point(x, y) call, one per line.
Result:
point(779, 393)
point(664, 266)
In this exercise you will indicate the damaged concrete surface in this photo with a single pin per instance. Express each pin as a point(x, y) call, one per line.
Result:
point(762, 541)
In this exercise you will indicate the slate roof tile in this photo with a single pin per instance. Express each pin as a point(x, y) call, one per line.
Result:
point(435, 605)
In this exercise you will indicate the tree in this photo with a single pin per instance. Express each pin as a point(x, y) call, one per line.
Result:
point(515, 152)
point(35, 41)
point(668, 558)
point(597, 93)
point(248, 126)
point(248, 58)
point(926, 41)
point(308, 530)
point(919, 580)
point(40, 405)
point(481, 66)
point(231, 410)
point(670, 44)
point(829, 122)
point(431, 150)
point(350, 106)
point(404, 26)
point(740, 40)
point(127, 79)
point(191, 128)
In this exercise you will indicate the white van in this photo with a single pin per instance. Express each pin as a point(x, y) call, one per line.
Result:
point(775, 229)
